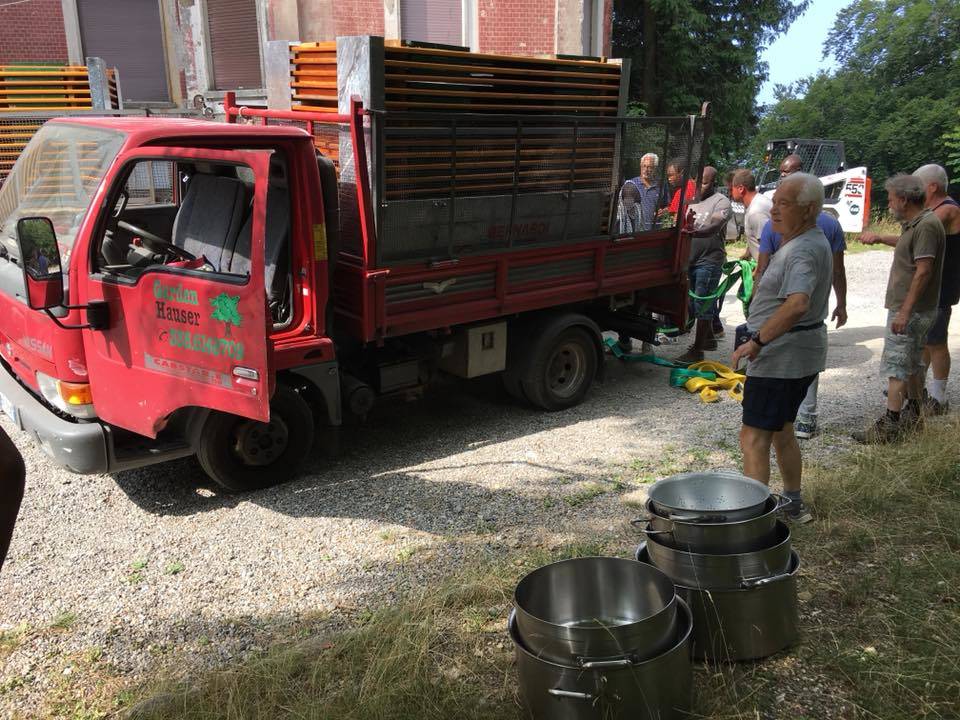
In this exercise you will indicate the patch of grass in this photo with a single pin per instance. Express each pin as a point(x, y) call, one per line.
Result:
point(388, 535)
point(404, 554)
point(174, 568)
point(588, 492)
point(63, 620)
point(10, 640)
point(440, 654)
point(880, 614)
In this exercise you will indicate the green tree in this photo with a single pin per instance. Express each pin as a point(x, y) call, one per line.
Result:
point(951, 141)
point(686, 51)
point(894, 97)
point(226, 310)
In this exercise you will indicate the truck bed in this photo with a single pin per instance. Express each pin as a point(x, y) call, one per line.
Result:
point(377, 304)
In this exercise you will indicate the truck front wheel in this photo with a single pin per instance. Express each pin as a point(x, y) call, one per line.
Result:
point(562, 368)
point(242, 455)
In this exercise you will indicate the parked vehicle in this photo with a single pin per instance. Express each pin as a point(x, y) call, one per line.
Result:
point(178, 287)
point(847, 192)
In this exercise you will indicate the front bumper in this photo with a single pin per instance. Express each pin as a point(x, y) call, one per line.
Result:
point(84, 448)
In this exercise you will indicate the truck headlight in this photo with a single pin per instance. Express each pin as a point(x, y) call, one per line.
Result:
point(73, 398)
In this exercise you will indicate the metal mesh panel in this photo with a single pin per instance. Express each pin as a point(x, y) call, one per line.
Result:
point(151, 183)
point(818, 157)
point(453, 185)
point(326, 138)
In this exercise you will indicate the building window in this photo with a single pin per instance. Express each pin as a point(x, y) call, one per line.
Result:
point(234, 40)
point(444, 22)
point(129, 37)
point(591, 31)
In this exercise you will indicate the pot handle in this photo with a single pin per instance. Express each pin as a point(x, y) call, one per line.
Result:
point(747, 583)
point(698, 518)
point(557, 692)
point(604, 664)
point(782, 501)
point(642, 524)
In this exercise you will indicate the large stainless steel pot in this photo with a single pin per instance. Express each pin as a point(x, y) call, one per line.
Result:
point(617, 689)
point(708, 537)
point(722, 571)
point(596, 607)
point(720, 496)
point(744, 624)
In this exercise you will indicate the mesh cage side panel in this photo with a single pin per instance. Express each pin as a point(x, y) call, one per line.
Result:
point(453, 186)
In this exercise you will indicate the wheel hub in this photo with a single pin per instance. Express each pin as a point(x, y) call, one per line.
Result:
point(566, 370)
point(260, 443)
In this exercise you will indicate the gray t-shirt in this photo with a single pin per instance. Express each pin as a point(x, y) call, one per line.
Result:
point(802, 265)
point(710, 249)
point(754, 218)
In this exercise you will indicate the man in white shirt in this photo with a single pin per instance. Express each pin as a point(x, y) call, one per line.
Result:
point(744, 190)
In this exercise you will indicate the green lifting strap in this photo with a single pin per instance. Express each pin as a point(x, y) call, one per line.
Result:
point(733, 271)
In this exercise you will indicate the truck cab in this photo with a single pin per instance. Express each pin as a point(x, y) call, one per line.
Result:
point(179, 276)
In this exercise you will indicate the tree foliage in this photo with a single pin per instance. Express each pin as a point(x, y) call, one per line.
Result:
point(951, 141)
point(894, 98)
point(686, 51)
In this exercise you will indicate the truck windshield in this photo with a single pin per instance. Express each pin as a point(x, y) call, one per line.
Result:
point(55, 176)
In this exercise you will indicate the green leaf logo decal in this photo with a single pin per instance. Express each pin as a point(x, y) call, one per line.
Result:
point(226, 311)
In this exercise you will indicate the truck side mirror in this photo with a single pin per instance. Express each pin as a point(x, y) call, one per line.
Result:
point(40, 260)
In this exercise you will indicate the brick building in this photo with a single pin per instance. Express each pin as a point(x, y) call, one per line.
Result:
point(170, 51)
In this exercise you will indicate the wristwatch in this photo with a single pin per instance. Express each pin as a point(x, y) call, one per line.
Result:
point(755, 337)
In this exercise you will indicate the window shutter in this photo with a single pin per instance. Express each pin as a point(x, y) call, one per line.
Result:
point(433, 21)
point(129, 37)
point(234, 44)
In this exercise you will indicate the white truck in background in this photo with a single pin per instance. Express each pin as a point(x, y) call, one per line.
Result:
point(846, 192)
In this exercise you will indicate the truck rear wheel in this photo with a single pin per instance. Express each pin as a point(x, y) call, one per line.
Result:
point(562, 368)
point(243, 455)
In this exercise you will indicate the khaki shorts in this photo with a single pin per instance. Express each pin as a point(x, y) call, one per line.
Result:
point(902, 354)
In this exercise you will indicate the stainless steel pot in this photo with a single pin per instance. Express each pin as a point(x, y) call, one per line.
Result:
point(717, 497)
point(708, 537)
point(745, 624)
point(596, 607)
point(722, 571)
point(610, 689)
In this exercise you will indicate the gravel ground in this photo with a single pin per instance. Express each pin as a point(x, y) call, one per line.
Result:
point(142, 568)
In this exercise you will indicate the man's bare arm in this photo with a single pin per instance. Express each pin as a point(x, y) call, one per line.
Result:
point(840, 289)
point(869, 238)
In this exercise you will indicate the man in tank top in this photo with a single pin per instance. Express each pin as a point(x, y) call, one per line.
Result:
point(936, 354)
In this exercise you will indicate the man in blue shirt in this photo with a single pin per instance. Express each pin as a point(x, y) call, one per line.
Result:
point(640, 198)
point(806, 424)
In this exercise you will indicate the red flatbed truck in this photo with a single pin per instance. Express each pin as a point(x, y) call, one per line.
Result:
point(173, 287)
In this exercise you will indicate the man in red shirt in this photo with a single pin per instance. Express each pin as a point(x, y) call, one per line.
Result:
point(676, 169)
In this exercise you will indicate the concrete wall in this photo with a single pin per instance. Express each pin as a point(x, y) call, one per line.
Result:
point(32, 32)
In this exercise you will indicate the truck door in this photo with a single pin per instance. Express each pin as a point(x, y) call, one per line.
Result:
point(183, 332)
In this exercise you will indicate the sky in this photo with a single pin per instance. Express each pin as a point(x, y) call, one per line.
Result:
point(797, 53)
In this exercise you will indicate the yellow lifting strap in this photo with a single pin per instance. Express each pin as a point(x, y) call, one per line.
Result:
point(709, 390)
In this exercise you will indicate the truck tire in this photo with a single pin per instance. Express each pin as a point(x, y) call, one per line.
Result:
point(242, 455)
point(511, 383)
point(563, 366)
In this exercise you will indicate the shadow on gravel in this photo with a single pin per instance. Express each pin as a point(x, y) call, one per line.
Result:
point(848, 336)
point(454, 417)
